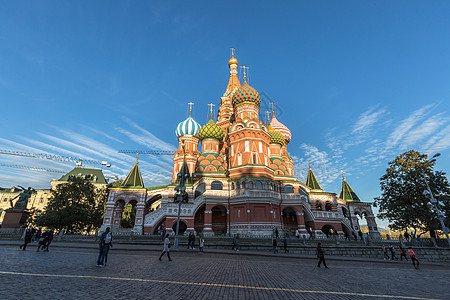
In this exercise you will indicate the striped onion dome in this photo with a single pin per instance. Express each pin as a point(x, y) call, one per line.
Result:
point(276, 137)
point(281, 128)
point(245, 93)
point(211, 130)
point(187, 127)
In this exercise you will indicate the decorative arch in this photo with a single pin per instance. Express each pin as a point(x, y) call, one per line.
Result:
point(219, 220)
point(216, 185)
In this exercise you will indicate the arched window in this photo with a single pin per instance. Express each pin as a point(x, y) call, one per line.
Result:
point(232, 185)
point(250, 185)
point(328, 206)
point(288, 189)
point(216, 185)
point(200, 189)
point(243, 185)
point(258, 185)
point(318, 205)
point(238, 186)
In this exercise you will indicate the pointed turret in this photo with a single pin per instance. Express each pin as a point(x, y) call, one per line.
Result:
point(347, 194)
point(134, 178)
point(311, 181)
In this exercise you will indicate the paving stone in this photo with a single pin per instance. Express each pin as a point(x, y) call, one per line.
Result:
point(70, 273)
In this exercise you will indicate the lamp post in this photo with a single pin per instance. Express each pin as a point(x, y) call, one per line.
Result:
point(181, 190)
point(434, 204)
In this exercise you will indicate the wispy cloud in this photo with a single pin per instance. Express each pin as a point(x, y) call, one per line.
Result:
point(368, 119)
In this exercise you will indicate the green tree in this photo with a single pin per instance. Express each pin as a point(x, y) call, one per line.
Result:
point(402, 201)
point(74, 205)
point(128, 216)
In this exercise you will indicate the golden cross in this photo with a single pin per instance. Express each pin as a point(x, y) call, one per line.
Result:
point(232, 51)
point(191, 104)
point(272, 103)
point(244, 67)
point(267, 115)
point(343, 177)
point(211, 105)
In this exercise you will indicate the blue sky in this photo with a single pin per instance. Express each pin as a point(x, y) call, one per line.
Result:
point(357, 82)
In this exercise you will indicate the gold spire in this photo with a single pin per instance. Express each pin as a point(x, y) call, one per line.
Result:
point(273, 110)
point(211, 110)
point(245, 75)
point(343, 177)
point(233, 60)
point(309, 164)
point(268, 118)
point(137, 158)
point(191, 104)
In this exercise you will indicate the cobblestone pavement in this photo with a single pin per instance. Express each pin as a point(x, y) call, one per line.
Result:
point(72, 274)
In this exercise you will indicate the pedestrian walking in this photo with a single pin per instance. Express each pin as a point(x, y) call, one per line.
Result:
point(320, 255)
point(43, 241)
point(285, 245)
point(103, 247)
point(297, 233)
point(166, 247)
point(392, 249)
point(385, 252)
point(274, 245)
point(413, 257)
point(402, 253)
point(310, 233)
point(49, 239)
point(201, 243)
point(190, 244)
point(276, 233)
point(235, 242)
point(26, 239)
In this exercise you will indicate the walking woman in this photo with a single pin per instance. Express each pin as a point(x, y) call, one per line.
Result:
point(166, 247)
point(413, 257)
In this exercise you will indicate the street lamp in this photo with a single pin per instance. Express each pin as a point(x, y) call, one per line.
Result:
point(181, 191)
point(434, 204)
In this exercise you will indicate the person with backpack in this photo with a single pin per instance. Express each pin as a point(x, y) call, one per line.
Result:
point(166, 247)
point(413, 257)
point(103, 247)
point(393, 252)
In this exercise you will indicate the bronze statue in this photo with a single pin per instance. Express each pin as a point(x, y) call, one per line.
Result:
point(23, 198)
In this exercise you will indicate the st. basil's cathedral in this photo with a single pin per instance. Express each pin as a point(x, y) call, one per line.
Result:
point(240, 180)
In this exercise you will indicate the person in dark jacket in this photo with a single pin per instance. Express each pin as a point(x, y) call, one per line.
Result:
point(27, 239)
point(49, 239)
point(285, 245)
point(103, 247)
point(320, 255)
point(402, 253)
point(43, 241)
point(274, 244)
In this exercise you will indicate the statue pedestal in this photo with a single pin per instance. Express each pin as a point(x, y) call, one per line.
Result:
point(15, 218)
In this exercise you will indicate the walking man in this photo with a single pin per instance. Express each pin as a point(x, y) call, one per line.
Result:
point(393, 252)
point(285, 245)
point(413, 257)
point(320, 255)
point(190, 243)
point(274, 244)
point(385, 252)
point(103, 247)
point(27, 239)
point(166, 248)
point(402, 253)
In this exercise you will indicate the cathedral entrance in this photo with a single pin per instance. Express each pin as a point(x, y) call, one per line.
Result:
point(290, 221)
point(199, 219)
point(219, 220)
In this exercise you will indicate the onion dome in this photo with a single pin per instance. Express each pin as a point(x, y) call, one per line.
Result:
point(232, 61)
point(187, 127)
point(276, 137)
point(211, 130)
point(246, 93)
point(281, 128)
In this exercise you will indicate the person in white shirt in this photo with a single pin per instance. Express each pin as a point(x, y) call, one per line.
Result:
point(166, 248)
